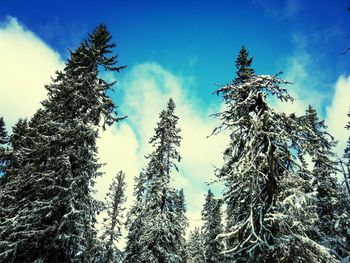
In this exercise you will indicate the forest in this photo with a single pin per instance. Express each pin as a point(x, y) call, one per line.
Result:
point(286, 197)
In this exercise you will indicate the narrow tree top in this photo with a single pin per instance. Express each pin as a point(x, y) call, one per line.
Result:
point(243, 65)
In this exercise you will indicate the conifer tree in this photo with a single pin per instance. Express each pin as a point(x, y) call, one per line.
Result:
point(4, 139)
point(4, 160)
point(111, 231)
point(159, 208)
point(135, 222)
point(52, 173)
point(347, 157)
point(162, 229)
point(181, 220)
point(333, 217)
point(270, 210)
point(195, 251)
point(211, 215)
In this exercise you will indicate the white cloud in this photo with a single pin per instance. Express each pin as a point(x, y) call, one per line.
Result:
point(337, 113)
point(117, 151)
point(26, 66)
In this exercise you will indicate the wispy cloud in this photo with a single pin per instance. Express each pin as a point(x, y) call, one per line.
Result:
point(311, 86)
point(308, 80)
point(280, 9)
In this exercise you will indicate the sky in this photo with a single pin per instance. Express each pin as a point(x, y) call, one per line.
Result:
point(179, 49)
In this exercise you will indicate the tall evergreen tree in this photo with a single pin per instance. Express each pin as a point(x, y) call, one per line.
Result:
point(162, 229)
point(195, 251)
point(270, 210)
point(52, 210)
point(4, 160)
point(159, 208)
point(333, 217)
point(4, 139)
point(347, 157)
point(181, 219)
point(212, 228)
point(135, 222)
point(111, 231)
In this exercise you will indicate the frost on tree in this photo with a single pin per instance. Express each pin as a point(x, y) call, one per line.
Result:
point(333, 221)
point(4, 139)
point(159, 209)
point(135, 222)
point(347, 157)
point(212, 228)
point(270, 205)
point(195, 250)
point(50, 212)
point(111, 231)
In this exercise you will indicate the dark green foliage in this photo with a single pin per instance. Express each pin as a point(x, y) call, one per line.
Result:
point(3, 133)
point(157, 220)
point(135, 223)
point(195, 250)
point(111, 231)
point(50, 212)
point(263, 164)
point(243, 65)
point(211, 215)
point(333, 217)
point(347, 157)
point(4, 139)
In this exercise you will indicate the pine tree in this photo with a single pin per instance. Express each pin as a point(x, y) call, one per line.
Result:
point(52, 173)
point(195, 251)
point(112, 224)
point(212, 228)
point(162, 229)
point(135, 222)
point(270, 206)
point(347, 157)
point(161, 208)
point(4, 160)
point(333, 217)
point(181, 220)
point(4, 139)
point(3, 132)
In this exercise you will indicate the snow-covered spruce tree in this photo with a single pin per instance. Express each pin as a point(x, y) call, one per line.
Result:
point(244, 73)
point(161, 232)
point(4, 159)
point(270, 206)
point(135, 222)
point(51, 176)
point(111, 231)
point(180, 208)
point(195, 251)
point(211, 216)
point(25, 198)
point(4, 139)
point(347, 157)
point(333, 217)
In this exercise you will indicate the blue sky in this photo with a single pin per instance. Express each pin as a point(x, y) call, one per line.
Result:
point(198, 38)
point(179, 49)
